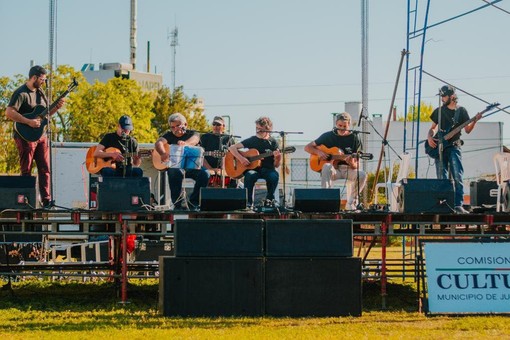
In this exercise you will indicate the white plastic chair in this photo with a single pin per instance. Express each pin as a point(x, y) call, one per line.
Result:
point(502, 165)
point(391, 188)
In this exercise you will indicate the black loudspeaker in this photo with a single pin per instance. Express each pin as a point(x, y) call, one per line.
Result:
point(17, 192)
point(218, 199)
point(218, 237)
point(211, 286)
point(317, 200)
point(426, 196)
point(123, 193)
point(483, 193)
point(309, 238)
point(299, 287)
point(151, 250)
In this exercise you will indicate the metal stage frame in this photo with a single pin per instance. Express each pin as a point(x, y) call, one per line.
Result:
point(369, 228)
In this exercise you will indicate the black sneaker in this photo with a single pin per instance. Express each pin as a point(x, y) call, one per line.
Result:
point(269, 203)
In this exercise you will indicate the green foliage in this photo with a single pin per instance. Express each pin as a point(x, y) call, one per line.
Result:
point(425, 112)
point(96, 109)
point(9, 161)
point(168, 102)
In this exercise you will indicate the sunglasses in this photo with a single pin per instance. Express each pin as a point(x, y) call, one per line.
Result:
point(217, 124)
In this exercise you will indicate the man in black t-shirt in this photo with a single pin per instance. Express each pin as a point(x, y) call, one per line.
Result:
point(262, 142)
point(125, 155)
point(23, 101)
point(451, 115)
point(217, 141)
point(349, 144)
point(180, 135)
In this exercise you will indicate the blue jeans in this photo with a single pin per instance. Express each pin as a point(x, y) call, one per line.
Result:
point(271, 176)
point(175, 178)
point(452, 161)
point(118, 172)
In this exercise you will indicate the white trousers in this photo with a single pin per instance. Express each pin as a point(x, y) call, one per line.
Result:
point(329, 174)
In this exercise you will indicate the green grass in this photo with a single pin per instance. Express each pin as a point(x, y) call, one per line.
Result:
point(52, 310)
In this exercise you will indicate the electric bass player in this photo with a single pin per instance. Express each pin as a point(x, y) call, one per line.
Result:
point(451, 115)
point(25, 100)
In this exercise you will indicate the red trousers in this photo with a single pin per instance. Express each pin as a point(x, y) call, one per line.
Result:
point(38, 152)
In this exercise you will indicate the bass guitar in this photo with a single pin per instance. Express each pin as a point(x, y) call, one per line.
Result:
point(235, 169)
point(159, 165)
point(95, 164)
point(335, 156)
point(445, 136)
point(31, 134)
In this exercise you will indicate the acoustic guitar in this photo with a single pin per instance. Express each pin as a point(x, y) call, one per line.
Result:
point(335, 156)
point(31, 134)
point(95, 164)
point(159, 165)
point(235, 169)
point(446, 135)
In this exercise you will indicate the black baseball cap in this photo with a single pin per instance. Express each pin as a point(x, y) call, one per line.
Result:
point(447, 90)
point(126, 123)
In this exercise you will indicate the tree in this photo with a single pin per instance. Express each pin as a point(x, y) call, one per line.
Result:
point(95, 110)
point(9, 160)
point(168, 102)
point(425, 112)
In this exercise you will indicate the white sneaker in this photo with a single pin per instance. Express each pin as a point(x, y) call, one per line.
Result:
point(350, 206)
point(460, 210)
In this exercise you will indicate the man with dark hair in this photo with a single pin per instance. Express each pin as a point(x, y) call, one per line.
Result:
point(451, 115)
point(126, 158)
point(23, 101)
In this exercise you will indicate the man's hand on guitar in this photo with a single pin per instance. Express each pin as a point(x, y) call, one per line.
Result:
point(432, 142)
point(165, 157)
point(352, 161)
point(34, 123)
point(117, 157)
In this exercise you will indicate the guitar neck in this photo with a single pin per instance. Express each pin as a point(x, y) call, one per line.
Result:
point(261, 156)
point(466, 123)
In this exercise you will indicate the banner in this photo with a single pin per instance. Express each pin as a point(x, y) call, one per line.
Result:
point(468, 277)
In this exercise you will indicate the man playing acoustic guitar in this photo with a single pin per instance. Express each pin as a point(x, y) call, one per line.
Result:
point(23, 101)
point(122, 149)
point(337, 150)
point(451, 115)
point(263, 143)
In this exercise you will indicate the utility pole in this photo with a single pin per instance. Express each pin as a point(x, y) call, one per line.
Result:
point(173, 43)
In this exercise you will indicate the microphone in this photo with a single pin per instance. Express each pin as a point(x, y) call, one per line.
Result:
point(46, 82)
point(124, 135)
point(349, 130)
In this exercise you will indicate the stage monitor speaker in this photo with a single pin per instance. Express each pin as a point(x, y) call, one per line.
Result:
point(211, 287)
point(309, 238)
point(317, 200)
point(17, 192)
point(151, 250)
point(320, 287)
point(222, 199)
point(433, 196)
point(218, 237)
point(123, 193)
point(483, 193)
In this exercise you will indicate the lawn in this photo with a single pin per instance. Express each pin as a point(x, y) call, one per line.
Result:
point(69, 310)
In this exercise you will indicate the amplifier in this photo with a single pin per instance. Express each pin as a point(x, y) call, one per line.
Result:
point(317, 200)
point(426, 196)
point(483, 193)
point(123, 193)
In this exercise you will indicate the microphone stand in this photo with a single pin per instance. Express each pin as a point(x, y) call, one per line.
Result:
point(360, 204)
point(283, 135)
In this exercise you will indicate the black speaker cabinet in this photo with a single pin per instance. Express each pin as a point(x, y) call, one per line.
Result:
point(309, 238)
point(311, 286)
point(211, 286)
point(483, 193)
point(222, 199)
point(426, 196)
point(123, 193)
point(17, 192)
point(317, 200)
point(218, 237)
point(151, 250)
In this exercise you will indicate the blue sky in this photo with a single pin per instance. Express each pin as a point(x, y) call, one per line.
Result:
point(295, 61)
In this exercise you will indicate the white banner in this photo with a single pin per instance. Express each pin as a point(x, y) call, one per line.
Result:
point(468, 277)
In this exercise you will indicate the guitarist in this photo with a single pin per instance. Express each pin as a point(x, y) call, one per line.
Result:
point(342, 138)
point(262, 142)
point(216, 141)
point(126, 144)
point(180, 135)
point(451, 115)
point(23, 101)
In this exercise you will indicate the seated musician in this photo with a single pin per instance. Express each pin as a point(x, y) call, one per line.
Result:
point(125, 157)
point(262, 142)
point(342, 138)
point(216, 141)
point(180, 135)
